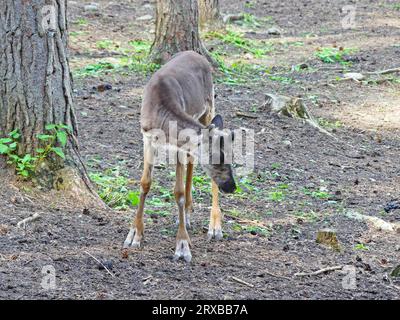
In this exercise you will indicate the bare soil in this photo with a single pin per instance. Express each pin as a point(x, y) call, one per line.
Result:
point(360, 172)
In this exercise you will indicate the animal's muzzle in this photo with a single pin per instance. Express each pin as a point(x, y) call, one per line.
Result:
point(228, 187)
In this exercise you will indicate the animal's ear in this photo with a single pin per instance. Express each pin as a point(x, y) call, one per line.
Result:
point(218, 122)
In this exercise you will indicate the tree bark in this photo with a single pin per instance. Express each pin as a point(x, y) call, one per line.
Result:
point(36, 85)
point(177, 29)
point(210, 15)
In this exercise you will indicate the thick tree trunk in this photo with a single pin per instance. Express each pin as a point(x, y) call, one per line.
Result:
point(177, 29)
point(36, 86)
point(210, 15)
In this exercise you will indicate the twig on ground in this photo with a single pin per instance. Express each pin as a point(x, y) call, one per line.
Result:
point(242, 282)
point(100, 263)
point(32, 218)
point(387, 71)
point(315, 273)
point(246, 221)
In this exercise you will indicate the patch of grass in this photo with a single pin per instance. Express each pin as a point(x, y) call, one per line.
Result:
point(113, 188)
point(276, 166)
point(77, 33)
point(396, 6)
point(361, 246)
point(284, 80)
point(81, 22)
point(250, 20)
point(202, 183)
point(105, 44)
point(318, 194)
point(277, 196)
point(250, 4)
point(134, 59)
point(95, 69)
point(329, 124)
point(256, 230)
point(257, 48)
point(310, 216)
point(333, 55)
point(238, 72)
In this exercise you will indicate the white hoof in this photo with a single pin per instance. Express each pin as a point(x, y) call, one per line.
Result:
point(182, 251)
point(214, 233)
point(133, 239)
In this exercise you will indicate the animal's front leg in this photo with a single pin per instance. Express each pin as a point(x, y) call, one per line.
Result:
point(136, 231)
point(215, 226)
point(182, 237)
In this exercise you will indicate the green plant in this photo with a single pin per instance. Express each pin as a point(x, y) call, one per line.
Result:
point(329, 124)
point(310, 216)
point(276, 196)
point(250, 20)
point(276, 166)
point(361, 246)
point(256, 230)
point(230, 37)
point(95, 69)
point(105, 44)
point(81, 22)
point(396, 6)
point(332, 55)
point(320, 194)
point(51, 143)
point(113, 188)
point(284, 80)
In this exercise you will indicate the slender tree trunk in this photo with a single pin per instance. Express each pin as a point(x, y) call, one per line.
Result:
point(177, 29)
point(210, 15)
point(36, 85)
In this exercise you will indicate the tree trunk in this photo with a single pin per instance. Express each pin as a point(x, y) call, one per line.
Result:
point(177, 29)
point(36, 86)
point(210, 16)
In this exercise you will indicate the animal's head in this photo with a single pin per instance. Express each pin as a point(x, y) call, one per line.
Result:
point(219, 166)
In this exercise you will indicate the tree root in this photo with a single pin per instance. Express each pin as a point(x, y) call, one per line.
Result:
point(292, 108)
point(375, 222)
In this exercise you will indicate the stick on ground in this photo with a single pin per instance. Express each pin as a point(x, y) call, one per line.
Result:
point(32, 218)
point(242, 282)
point(100, 263)
point(315, 273)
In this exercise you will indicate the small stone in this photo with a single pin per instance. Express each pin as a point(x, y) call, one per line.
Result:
point(287, 144)
point(145, 18)
point(354, 76)
point(91, 7)
point(106, 264)
point(274, 31)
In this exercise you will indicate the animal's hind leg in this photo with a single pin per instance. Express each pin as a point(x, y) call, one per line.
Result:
point(182, 237)
point(136, 231)
point(188, 192)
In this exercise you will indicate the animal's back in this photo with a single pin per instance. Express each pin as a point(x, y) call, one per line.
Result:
point(182, 90)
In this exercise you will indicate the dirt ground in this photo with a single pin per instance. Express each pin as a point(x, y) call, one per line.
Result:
point(271, 226)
